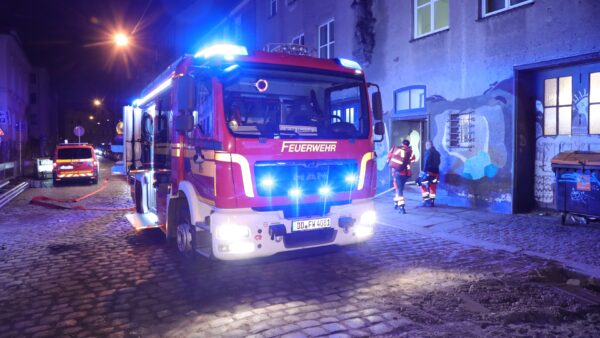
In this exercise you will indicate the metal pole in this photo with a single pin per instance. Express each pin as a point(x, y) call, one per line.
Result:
point(20, 150)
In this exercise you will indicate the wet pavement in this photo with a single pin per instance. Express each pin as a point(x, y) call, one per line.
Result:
point(81, 273)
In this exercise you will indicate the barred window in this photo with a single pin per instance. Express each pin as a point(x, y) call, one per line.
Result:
point(461, 130)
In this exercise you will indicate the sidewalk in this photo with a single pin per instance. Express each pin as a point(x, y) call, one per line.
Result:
point(576, 246)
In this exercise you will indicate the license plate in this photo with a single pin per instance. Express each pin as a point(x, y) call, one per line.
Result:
point(311, 224)
point(66, 167)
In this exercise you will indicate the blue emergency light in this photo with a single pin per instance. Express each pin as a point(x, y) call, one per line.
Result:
point(227, 51)
point(349, 64)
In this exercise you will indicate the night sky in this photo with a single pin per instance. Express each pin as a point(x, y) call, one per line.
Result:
point(72, 40)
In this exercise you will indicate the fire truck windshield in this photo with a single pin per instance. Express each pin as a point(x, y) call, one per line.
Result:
point(291, 104)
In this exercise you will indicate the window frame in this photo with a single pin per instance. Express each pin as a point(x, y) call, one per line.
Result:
point(273, 10)
point(590, 103)
point(329, 43)
point(557, 107)
point(410, 111)
point(432, 18)
point(507, 7)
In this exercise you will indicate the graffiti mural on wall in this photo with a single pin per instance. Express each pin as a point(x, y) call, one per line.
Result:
point(549, 146)
point(474, 138)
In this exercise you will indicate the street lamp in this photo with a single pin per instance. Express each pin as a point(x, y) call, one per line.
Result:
point(97, 102)
point(121, 40)
point(91, 117)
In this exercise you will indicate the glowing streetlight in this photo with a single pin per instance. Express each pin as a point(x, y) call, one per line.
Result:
point(91, 117)
point(97, 102)
point(121, 40)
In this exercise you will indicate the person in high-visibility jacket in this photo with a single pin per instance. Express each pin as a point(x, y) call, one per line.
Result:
point(400, 159)
point(431, 174)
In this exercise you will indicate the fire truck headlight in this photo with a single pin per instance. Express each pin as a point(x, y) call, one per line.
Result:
point(368, 218)
point(232, 232)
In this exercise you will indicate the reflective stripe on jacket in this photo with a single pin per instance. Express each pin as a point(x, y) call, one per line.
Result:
point(400, 159)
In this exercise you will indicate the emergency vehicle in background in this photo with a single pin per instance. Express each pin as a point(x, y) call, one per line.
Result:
point(237, 155)
point(75, 162)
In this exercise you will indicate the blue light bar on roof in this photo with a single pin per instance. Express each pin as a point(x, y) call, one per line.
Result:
point(349, 64)
point(228, 51)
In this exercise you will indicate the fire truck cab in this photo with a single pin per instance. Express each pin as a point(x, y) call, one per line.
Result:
point(237, 155)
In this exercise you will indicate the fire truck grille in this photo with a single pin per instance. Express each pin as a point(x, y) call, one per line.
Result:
point(309, 238)
point(279, 178)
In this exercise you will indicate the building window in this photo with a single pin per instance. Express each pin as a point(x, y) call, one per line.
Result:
point(272, 7)
point(558, 97)
point(32, 98)
point(326, 40)
point(409, 99)
point(461, 130)
point(594, 116)
point(430, 16)
point(299, 40)
point(489, 7)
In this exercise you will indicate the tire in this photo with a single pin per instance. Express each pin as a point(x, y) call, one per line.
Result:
point(186, 232)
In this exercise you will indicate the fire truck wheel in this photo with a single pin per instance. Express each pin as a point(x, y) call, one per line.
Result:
point(185, 232)
point(184, 239)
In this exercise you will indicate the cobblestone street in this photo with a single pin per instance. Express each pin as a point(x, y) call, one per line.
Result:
point(86, 273)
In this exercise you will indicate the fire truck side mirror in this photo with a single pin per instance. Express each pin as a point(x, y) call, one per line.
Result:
point(185, 94)
point(377, 105)
point(379, 130)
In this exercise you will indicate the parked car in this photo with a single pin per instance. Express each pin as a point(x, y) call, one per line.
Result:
point(75, 162)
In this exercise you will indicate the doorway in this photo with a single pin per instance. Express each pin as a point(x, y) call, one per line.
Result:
point(416, 132)
point(558, 110)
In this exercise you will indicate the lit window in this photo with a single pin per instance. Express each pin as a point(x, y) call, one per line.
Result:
point(594, 103)
point(430, 16)
point(410, 99)
point(461, 130)
point(326, 40)
point(558, 97)
point(299, 40)
point(489, 7)
point(272, 7)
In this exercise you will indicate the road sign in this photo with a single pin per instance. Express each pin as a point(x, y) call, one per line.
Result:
point(79, 131)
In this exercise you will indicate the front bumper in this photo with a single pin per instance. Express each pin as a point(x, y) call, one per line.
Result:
point(270, 233)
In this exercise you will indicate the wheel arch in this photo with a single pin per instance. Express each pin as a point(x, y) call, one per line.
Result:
point(198, 209)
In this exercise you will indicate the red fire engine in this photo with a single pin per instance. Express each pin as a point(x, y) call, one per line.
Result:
point(237, 155)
